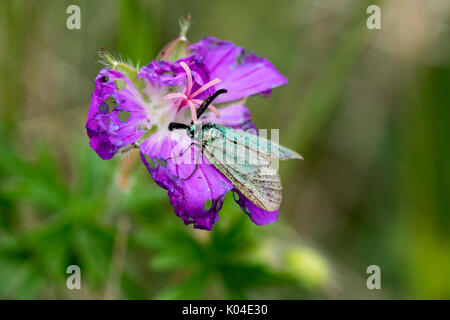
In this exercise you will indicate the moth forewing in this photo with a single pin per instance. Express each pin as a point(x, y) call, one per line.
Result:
point(262, 145)
point(245, 159)
point(228, 153)
point(239, 153)
point(261, 183)
point(267, 196)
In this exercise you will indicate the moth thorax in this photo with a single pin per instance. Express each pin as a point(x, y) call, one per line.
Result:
point(197, 134)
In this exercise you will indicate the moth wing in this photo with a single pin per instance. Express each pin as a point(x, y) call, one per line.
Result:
point(258, 182)
point(261, 145)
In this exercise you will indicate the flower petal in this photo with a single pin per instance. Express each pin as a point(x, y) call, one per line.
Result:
point(197, 196)
point(234, 116)
point(256, 214)
point(114, 124)
point(172, 74)
point(242, 73)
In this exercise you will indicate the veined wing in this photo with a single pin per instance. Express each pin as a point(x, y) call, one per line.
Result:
point(259, 144)
point(260, 183)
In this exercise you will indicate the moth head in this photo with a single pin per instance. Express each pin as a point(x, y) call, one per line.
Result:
point(191, 129)
point(176, 125)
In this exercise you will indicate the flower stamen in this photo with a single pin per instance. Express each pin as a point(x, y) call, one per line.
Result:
point(205, 87)
point(187, 98)
point(188, 78)
point(193, 110)
point(214, 110)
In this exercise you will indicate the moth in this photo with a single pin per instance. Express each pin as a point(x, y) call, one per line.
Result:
point(243, 158)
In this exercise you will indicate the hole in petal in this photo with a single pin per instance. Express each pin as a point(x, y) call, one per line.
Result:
point(161, 162)
point(111, 103)
point(124, 115)
point(150, 161)
point(207, 205)
point(103, 107)
point(239, 59)
point(236, 196)
point(105, 79)
point(213, 45)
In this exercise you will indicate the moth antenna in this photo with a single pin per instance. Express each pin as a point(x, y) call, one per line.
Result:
point(208, 101)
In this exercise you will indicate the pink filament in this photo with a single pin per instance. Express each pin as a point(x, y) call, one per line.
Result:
point(187, 98)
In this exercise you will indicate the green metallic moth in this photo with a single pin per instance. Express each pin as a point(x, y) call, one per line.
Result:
point(243, 158)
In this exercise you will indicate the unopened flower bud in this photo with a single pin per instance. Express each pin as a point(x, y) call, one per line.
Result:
point(125, 68)
point(179, 47)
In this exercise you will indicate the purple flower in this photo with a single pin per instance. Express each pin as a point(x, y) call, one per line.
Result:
point(242, 73)
point(123, 114)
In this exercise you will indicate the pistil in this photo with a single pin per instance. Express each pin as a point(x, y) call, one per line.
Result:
point(188, 98)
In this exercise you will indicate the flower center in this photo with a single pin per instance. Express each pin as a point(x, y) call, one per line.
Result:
point(188, 98)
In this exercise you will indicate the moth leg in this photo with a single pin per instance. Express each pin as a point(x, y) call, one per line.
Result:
point(193, 143)
point(196, 166)
point(128, 148)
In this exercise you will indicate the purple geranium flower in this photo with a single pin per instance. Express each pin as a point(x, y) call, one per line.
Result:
point(128, 112)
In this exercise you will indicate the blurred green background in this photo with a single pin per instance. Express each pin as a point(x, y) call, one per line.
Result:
point(368, 110)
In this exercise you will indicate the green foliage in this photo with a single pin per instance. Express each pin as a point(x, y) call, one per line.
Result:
point(75, 223)
point(367, 110)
